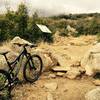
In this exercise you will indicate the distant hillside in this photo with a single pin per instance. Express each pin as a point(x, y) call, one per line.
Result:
point(76, 16)
point(83, 23)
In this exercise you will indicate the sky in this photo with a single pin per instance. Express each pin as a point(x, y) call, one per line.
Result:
point(53, 7)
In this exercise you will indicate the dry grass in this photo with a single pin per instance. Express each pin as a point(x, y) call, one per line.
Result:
point(5, 46)
point(43, 45)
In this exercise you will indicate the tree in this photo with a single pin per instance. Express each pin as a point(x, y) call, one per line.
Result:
point(11, 18)
point(95, 25)
point(22, 20)
point(3, 29)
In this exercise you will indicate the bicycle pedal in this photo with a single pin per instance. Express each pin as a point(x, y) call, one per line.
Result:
point(11, 84)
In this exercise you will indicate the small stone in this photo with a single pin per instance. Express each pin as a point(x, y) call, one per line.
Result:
point(51, 86)
point(49, 96)
point(52, 76)
point(64, 88)
point(72, 74)
point(61, 74)
point(97, 82)
point(95, 42)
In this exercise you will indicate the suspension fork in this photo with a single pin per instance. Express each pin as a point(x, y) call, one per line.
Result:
point(31, 64)
point(28, 56)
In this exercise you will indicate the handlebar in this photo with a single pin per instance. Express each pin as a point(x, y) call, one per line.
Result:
point(25, 45)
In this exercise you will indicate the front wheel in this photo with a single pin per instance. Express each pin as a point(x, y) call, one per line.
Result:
point(4, 85)
point(33, 68)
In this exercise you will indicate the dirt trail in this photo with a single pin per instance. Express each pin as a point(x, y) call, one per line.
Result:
point(73, 49)
point(66, 89)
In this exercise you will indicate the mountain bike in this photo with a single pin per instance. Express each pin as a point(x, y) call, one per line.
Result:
point(31, 70)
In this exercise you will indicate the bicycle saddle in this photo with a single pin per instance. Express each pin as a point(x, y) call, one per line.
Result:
point(25, 45)
point(3, 52)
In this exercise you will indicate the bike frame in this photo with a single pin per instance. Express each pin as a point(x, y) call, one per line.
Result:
point(11, 65)
point(11, 77)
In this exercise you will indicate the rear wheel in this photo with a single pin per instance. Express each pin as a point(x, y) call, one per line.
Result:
point(33, 68)
point(4, 85)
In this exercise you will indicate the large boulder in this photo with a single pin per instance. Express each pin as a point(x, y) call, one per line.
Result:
point(19, 40)
point(11, 57)
point(59, 58)
point(74, 72)
point(47, 59)
point(51, 59)
point(91, 60)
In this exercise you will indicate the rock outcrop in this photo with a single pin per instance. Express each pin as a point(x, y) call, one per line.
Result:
point(91, 60)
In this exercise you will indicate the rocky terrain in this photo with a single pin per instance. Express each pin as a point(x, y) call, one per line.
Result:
point(65, 75)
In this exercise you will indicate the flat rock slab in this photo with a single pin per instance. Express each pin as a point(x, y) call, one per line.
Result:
point(60, 74)
point(51, 86)
point(52, 76)
point(60, 69)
